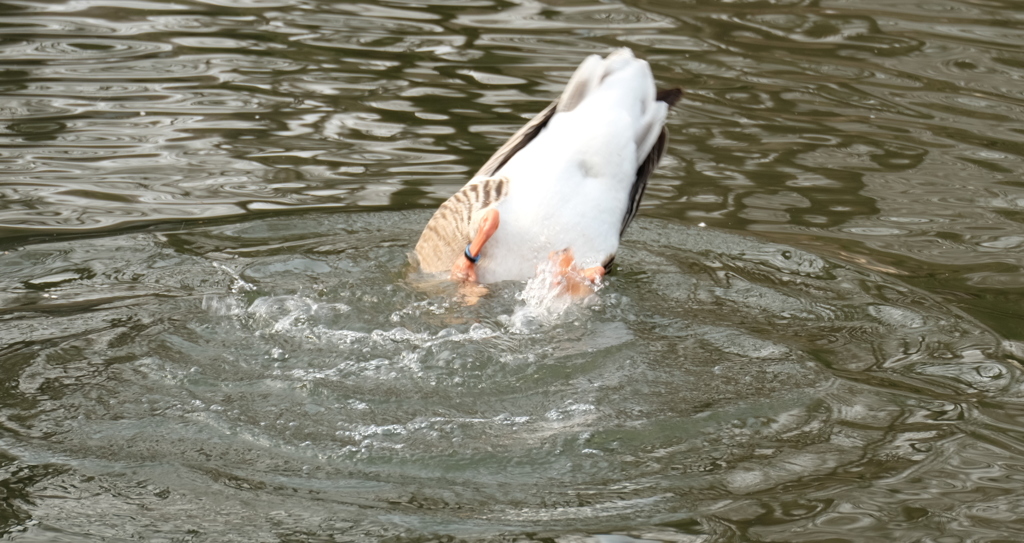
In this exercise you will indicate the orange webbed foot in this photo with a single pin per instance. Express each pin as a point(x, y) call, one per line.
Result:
point(470, 293)
point(594, 274)
point(570, 279)
point(464, 271)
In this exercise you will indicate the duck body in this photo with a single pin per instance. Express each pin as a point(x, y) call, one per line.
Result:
point(570, 180)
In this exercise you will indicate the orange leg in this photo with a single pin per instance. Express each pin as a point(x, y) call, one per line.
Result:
point(464, 269)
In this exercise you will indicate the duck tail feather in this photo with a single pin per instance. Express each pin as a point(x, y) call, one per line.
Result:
point(583, 81)
point(669, 96)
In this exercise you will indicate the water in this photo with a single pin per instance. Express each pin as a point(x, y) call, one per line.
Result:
point(209, 330)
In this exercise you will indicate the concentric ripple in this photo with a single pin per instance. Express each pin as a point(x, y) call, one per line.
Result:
point(299, 358)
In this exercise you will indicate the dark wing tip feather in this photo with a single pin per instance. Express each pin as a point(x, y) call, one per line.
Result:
point(518, 141)
point(669, 96)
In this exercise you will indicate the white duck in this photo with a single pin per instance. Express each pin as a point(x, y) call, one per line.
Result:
point(564, 187)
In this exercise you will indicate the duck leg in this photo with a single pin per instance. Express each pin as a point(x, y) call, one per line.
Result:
point(464, 268)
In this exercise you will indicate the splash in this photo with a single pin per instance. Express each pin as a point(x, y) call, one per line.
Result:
point(548, 301)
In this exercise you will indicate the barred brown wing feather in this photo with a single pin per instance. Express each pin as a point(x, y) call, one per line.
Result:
point(451, 228)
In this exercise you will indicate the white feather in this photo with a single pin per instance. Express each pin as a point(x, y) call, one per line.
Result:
point(570, 187)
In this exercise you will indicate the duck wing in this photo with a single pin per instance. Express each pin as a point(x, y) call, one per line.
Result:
point(643, 173)
point(518, 141)
point(452, 226)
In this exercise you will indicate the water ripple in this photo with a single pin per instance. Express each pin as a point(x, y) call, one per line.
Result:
point(756, 385)
point(296, 342)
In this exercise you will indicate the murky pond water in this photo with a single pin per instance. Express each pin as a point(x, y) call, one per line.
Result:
point(209, 330)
